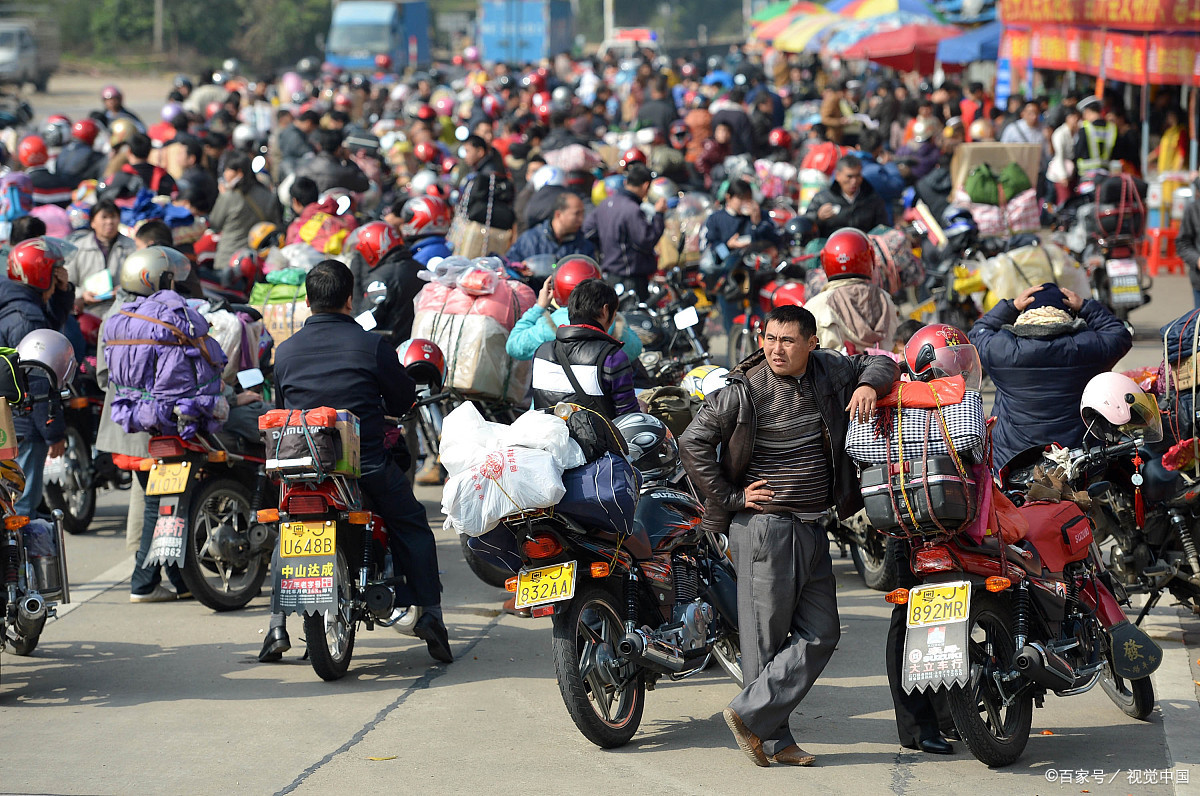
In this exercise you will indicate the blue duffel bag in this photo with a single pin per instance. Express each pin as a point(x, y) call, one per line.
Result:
point(602, 494)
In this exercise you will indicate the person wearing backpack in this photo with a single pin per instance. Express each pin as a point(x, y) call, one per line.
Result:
point(36, 295)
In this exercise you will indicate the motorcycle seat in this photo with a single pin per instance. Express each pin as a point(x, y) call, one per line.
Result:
point(1019, 554)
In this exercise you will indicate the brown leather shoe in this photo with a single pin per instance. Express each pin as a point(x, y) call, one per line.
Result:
point(748, 741)
point(793, 756)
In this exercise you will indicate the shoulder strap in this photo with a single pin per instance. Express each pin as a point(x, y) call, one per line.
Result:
point(560, 354)
point(254, 206)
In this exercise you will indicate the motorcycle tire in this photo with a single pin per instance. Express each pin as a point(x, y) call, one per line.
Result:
point(590, 622)
point(728, 654)
point(491, 575)
point(330, 640)
point(740, 345)
point(25, 645)
point(78, 506)
point(876, 564)
point(976, 706)
point(1135, 698)
point(215, 500)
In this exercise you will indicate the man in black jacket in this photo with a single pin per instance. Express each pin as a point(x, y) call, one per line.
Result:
point(489, 189)
point(329, 168)
point(768, 454)
point(658, 111)
point(397, 274)
point(331, 361)
point(849, 202)
point(624, 236)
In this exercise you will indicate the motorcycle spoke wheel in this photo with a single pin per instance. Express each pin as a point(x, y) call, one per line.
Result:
point(75, 494)
point(223, 584)
point(605, 702)
point(330, 635)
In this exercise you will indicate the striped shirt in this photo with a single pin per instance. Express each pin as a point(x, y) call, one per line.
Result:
point(790, 449)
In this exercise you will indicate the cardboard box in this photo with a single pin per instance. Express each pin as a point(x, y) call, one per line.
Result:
point(350, 462)
point(338, 448)
point(1185, 374)
point(284, 320)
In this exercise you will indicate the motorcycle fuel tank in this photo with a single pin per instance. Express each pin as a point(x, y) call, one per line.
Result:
point(669, 517)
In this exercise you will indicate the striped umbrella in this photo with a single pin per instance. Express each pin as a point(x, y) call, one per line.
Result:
point(865, 9)
point(852, 31)
point(767, 31)
point(803, 32)
point(912, 47)
point(774, 10)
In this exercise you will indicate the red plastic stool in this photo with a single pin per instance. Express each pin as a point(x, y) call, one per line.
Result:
point(1152, 250)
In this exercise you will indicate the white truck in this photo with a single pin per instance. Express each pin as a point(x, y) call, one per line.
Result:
point(29, 50)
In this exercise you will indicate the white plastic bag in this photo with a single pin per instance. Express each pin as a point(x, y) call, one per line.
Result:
point(507, 481)
point(467, 439)
point(546, 432)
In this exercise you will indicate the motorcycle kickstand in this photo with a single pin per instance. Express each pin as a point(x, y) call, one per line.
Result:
point(1151, 601)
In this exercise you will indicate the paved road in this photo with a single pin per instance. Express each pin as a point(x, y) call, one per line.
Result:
point(169, 698)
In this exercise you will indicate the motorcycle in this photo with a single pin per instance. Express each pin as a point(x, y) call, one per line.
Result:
point(670, 326)
point(206, 526)
point(761, 288)
point(627, 611)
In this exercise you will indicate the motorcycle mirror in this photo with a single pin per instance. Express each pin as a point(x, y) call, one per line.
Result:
point(376, 293)
point(343, 204)
point(619, 288)
point(258, 165)
point(1097, 489)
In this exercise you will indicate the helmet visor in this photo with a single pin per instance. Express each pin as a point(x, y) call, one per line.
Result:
point(1144, 418)
point(959, 360)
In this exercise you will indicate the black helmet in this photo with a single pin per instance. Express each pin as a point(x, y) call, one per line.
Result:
point(652, 448)
point(796, 228)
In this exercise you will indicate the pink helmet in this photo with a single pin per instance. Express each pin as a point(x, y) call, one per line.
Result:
point(1113, 405)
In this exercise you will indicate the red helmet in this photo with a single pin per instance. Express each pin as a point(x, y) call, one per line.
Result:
point(680, 135)
point(789, 293)
point(89, 324)
point(570, 271)
point(246, 264)
point(426, 113)
point(425, 215)
point(780, 138)
point(478, 90)
point(110, 92)
point(424, 361)
point(542, 112)
point(32, 151)
point(437, 190)
point(848, 253)
point(941, 350)
point(32, 262)
point(491, 107)
point(212, 109)
point(383, 62)
point(205, 249)
point(425, 151)
point(539, 98)
point(85, 130)
point(780, 215)
point(534, 81)
point(375, 240)
point(342, 101)
point(448, 164)
point(823, 157)
point(631, 155)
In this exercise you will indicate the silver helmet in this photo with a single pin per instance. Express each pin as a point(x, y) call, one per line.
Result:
point(52, 352)
point(145, 271)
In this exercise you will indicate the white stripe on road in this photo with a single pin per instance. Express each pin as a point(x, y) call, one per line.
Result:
point(114, 576)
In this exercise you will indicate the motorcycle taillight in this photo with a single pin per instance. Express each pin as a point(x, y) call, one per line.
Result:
point(932, 559)
point(165, 447)
point(305, 504)
point(542, 545)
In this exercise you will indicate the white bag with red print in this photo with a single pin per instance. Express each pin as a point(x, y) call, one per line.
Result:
point(508, 481)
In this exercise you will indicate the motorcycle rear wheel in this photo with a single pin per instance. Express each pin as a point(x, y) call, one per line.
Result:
point(489, 574)
point(875, 561)
point(728, 653)
point(995, 735)
point(330, 639)
point(79, 504)
point(1135, 698)
point(221, 586)
point(584, 634)
point(740, 344)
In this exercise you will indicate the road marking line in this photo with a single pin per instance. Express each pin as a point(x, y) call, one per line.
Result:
point(111, 578)
point(1176, 698)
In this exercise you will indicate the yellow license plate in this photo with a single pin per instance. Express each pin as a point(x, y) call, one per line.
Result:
point(939, 604)
point(298, 539)
point(168, 479)
point(545, 585)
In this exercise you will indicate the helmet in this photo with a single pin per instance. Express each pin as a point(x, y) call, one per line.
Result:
point(796, 228)
point(491, 106)
point(542, 111)
point(848, 252)
point(444, 105)
point(420, 182)
point(561, 97)
point(170, 112)
point(424, 361)
point(448, 164)
point(52, 351)
point(704, 380)
point(264, 235)
point(780, 215)
point(954, 126)
point(662, 188)
point(779, 138)
point(205, 248)
point(652, 447)
point(924, 129)
point(602, 189)
point(548, 175)
point(245, 263)
point(471, 53)
point(789, 293)
point(212, 109)
point(679, 135)
point(425, 215)
point(1113, 405)
point(120, 131)
point(244, 136)
point(32, 262)
point(426, 113)
point(383, 62)
point(375, 240)
point(57, 131)
point(32, 151)
point(941, 350)
point(631, 155)
point(982, 130)
point(110, 92)
point(425, 151)
point(570, 271)
point(534, 81)
point(152, 269)
point(85, 131)
point(182, 81)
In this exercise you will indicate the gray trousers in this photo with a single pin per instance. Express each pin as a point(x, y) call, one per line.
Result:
point(787, 618)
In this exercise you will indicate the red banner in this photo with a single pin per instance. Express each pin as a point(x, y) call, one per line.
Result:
point(1148, 15)
point(1160, 59)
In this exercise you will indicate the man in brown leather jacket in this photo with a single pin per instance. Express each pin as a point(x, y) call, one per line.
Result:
point(780, 425)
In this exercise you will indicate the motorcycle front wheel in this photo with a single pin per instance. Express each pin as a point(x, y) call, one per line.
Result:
point(875, 558)
point(605, 703)
point(994, 733)
point(330, 638)
point(75, 495)
point(1135, 698)
point(222, 508)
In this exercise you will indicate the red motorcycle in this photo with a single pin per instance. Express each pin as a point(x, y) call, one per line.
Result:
point(758, 287)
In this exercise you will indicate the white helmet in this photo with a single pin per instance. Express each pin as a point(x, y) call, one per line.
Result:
point(52, 352)
point(548, 175)
point(244, 136)
point(145, 271)
point(704, 380)
point(421, 182)
point(1114, 405)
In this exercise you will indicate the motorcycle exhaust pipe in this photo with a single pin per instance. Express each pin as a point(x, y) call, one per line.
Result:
point(31, 616)
point(654, 654)
point(1045, 667)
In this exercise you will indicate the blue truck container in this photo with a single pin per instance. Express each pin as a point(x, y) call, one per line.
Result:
point(363, 29)
point(524, 31)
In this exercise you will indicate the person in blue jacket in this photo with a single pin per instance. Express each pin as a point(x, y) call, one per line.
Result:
point(883, 175)
point(539, 325)
point(424, 222)
point(1041, 349)
point(558, 235)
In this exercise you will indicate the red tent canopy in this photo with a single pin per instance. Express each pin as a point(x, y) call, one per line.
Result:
point(912, 47)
